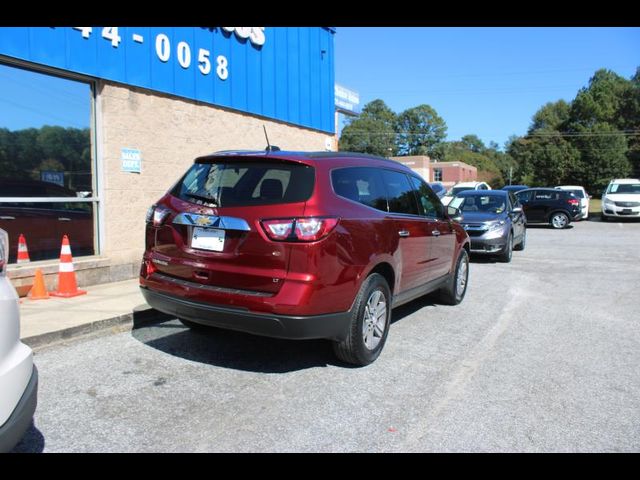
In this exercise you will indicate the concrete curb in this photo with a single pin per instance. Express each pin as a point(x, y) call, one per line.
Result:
point(141, 316)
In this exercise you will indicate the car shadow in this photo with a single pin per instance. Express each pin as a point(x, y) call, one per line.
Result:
point(32, 442)
point(544, 226)
point(243, 351)
point(480, 258)
point(234, 350)
point(412, 307)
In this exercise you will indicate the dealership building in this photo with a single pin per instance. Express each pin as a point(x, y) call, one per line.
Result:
point(96, 123)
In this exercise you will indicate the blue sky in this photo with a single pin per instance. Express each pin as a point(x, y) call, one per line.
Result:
point(485, 81)
point(22, 94)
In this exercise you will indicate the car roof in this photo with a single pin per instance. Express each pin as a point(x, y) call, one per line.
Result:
point(625, 180)
point(299, 155)
point(545, 189)
point(468, 184)
point(479, 193)
point(572, 187)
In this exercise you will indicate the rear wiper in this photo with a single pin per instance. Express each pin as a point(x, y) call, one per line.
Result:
point(208, 200)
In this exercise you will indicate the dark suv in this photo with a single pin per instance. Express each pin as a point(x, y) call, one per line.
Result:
point(549, 205)
point(301, 245)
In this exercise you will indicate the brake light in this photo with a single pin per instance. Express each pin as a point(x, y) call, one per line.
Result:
point(573, 201)
point(157, 215)
point(278, 229)
point(307, 229)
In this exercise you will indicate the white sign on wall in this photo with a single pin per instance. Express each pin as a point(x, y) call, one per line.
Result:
point(131, 160)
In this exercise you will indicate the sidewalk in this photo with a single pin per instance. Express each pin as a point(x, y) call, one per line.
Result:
point(112, 305)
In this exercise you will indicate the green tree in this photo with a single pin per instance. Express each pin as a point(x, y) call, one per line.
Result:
point(473, 143)
point(551, 117)
point(603, 156)
point(547, 159)
point(601, 101)
point(420, 130)
point(372, 132)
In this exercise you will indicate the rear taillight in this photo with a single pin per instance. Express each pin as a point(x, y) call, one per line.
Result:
point(4, 251)
point(157, 214)
point(573, 201)
point(306, 229)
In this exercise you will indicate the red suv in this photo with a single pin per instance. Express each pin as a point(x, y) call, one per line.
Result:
point(301, 245)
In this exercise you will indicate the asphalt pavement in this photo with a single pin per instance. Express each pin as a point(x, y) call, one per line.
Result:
point(542, 356)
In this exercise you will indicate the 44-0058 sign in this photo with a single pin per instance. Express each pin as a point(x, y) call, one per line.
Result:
point(184, 54)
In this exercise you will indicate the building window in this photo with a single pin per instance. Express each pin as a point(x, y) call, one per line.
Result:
point(437, 174)
point(47, 166)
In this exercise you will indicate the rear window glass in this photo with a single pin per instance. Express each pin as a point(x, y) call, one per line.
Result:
point(238, 183)
point(360, 184)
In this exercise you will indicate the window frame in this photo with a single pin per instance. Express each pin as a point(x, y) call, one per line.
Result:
point(95, 150)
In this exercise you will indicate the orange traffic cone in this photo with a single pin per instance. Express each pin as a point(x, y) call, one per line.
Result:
point(23, 252)
point(39, 290)
point(67, 286)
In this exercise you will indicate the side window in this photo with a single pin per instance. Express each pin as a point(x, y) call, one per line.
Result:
point(428, 202)
point(524, 196)
point(400, 192)
point(360, 184)
point(543, 195)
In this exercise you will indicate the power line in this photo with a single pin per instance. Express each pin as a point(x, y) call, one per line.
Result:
point(620, 133)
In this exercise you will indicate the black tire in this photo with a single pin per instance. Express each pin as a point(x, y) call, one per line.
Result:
point(193, 325)
point(507, 253)
point(450, 294)
point(559, 220)
point(603, 218)
point(523, 243)
point(353, 349)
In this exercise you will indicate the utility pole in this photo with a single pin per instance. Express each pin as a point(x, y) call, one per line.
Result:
point(510, 173)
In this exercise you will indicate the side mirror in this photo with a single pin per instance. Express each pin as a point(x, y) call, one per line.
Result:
point(454, 214)
point(516, 210)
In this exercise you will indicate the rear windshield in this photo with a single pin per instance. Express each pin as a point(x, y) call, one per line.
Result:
point(577, 193)
point(456, 190)
point(229, 183)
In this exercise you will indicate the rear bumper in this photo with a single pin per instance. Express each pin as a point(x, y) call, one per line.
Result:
point(17, 424)
point(332, 326)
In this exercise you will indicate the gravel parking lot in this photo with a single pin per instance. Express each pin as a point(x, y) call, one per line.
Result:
point(542, 356)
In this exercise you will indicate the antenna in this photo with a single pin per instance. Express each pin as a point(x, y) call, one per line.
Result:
point(269, 147)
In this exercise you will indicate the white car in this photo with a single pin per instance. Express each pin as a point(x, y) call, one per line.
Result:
point(581, 194)
point(621, 199)
point(18, 374)
point(461, 187)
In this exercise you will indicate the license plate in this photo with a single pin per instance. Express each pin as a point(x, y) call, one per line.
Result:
point(626, 211)
point(207, 239)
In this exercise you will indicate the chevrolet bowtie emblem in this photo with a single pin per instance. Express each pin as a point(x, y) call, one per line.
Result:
point(204, 221)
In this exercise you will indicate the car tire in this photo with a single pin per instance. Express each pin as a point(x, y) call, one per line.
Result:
point(367, 334)
point(604, 218)
point(507, 253)
point(454, 291)
point(559, 220)
point(523, 243)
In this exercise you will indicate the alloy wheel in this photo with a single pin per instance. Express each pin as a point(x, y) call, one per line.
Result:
point(375, 320)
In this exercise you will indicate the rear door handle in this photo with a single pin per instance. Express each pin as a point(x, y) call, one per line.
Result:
point(64, 219)
point(404, 233)
point(435, 233)
point(7, 217)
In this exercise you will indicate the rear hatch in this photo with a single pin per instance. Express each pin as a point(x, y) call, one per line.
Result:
point(211, 233)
